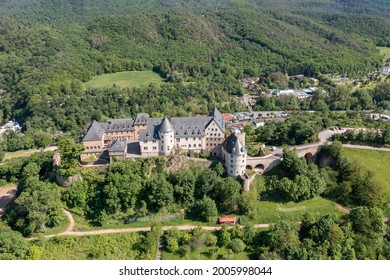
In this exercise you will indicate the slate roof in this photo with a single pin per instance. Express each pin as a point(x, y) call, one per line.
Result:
point(190, 126)
point(95, 132)
point(117, 125)
point(118, 146)
point(141, 119)
point(166, 126)
point(184, 127)
point(234, 146)
point(151, 131)
point(217, 116)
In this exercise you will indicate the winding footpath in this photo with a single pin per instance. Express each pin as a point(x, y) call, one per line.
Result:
point(69, 230)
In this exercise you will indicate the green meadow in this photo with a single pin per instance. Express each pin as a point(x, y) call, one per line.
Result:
point(377, 162)
point(125, 79)
point(385, 52)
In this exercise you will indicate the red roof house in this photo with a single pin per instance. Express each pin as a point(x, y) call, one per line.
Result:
point(227, 220)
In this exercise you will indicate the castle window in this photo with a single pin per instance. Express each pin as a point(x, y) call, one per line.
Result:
point(145, 148)
point(189, 146)
point(154, 148)
point(154, 141)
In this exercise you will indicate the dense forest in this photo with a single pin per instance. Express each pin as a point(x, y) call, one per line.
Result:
point(48, 49)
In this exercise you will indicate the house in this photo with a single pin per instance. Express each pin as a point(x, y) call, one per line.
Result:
point(256, 123)
point(227, 220)
point(249, 82)
point(228, 117)
point(385, 70)
point(314, 81)
point(11, 126)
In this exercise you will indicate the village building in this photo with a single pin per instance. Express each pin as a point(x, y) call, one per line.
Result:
point(385, 70)
point(227, 220)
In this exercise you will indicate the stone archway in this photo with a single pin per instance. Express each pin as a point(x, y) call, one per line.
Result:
point(259, 168)
point(309, 158)
point(249, 167)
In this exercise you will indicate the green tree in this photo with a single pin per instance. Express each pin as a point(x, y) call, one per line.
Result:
point(37, 207)
point(237, 245)
point(12, 244)
point(70, 152)
point(204, 209)
point(2, 153)
point(159, 192)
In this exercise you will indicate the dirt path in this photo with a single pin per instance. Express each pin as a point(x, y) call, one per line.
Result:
point(69, 231)
point(343, 209)
point(6, 195)
point(159, 249)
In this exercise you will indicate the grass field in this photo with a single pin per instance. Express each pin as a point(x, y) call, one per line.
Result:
point(272, 212)
point(125, 79)
point(119, 246)
point(376, 161)
point(385, 52)
point(22, 153)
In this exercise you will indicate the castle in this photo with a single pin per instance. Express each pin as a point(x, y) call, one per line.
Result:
point(165, 136)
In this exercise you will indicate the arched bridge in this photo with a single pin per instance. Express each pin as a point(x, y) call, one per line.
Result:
point(264, 164)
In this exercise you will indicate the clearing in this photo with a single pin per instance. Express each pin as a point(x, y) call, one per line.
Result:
point(272, 212)
point(377, 162)
point(7, 193)
point(25, 153)
point(125, 79)
point(385, 52)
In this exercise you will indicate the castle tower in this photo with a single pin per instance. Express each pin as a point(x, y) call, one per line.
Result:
point(166, 133)
point(234, 156)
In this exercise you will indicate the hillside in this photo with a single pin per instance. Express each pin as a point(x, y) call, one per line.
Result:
point(49, 48)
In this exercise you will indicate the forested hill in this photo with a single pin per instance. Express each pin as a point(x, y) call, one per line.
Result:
point(48, 48)
point(82, 10)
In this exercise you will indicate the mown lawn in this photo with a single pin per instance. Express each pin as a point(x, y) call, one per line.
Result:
point(22, 153)
point(125, 79)
point(377, 162)
point(272, 212)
